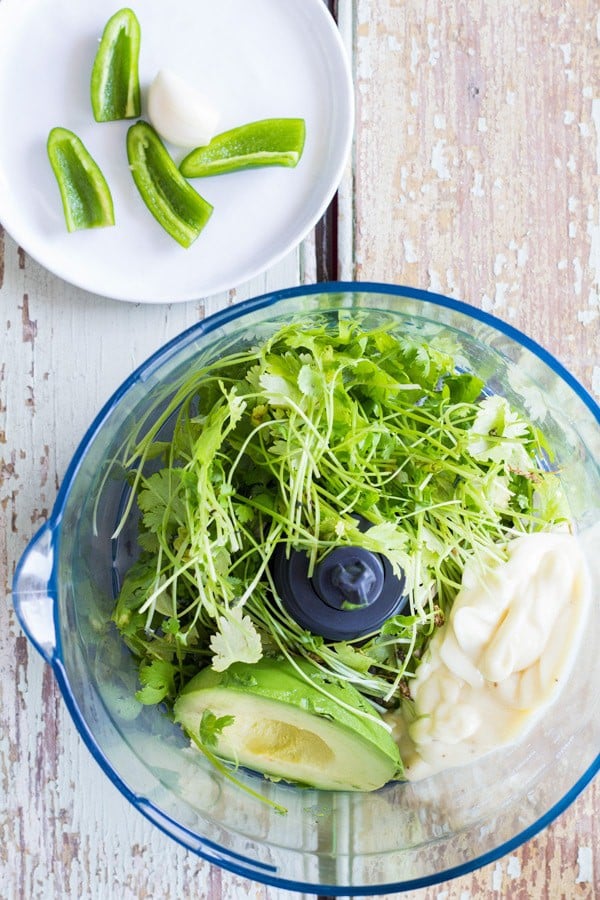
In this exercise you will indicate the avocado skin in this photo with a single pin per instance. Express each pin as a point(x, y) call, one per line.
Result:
point(276, 679)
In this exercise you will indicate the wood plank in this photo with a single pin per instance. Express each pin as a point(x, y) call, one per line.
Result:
point(65, 831)
point(476, 175)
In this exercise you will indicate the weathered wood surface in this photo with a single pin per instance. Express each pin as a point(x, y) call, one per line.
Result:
point(476, 172)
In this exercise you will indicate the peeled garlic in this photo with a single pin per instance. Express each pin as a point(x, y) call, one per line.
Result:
point(179, 112)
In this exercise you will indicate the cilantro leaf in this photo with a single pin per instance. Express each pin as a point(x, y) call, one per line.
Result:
point(160, 500)
point(498, 434)
point(236, 640)
point(284, 443)
point(212, 726)
point(158, 681)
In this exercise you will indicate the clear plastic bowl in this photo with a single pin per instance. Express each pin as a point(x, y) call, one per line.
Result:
point(403, 836)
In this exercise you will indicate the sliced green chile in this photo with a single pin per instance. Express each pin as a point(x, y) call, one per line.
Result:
point(115, 83)
point(268, 142)
point(86, 197)
point(173, 202)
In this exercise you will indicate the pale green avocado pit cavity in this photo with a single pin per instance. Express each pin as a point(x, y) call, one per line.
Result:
point(285, 727)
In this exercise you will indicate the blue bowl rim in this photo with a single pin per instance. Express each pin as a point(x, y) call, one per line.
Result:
point(200, 846)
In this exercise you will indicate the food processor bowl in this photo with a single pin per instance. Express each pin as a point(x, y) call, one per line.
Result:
point(405, 835)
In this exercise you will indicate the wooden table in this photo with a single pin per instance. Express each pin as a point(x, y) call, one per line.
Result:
point(475, 172)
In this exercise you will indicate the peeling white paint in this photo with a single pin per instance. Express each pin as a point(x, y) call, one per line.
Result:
point(593, 231)
point(572, 204)
point(571, 164)
point(568, 117)
point(394, 44)
point(587, 316)
point(500, 294)
point(584, 129)
point(363, 13)
point(433, 44)
point(572, 229)
point(562, 265)
point(499, 264)
point(578, 272)
point(409, 251)
point(477, 189)
point(566, 52)
point(415, 55)
point(482, 124)
point(596, 121)
point(497, 877)
point(364, 69)
point(585, 861)
point(522, 256)
point(511, 98)
point(435, 283)
point(439, 121)
point(439, 163)
point(513, 867)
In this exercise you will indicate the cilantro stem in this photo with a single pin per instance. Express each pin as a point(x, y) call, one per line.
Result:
point(284, 443)
point(228, 774)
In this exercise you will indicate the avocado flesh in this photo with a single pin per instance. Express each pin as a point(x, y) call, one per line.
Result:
point(285, 728)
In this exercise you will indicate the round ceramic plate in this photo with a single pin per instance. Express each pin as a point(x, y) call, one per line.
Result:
point(254, 59)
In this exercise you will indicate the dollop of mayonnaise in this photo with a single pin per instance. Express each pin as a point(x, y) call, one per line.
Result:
point(501, 657)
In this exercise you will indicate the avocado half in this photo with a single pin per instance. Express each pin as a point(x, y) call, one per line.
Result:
point(284, 727)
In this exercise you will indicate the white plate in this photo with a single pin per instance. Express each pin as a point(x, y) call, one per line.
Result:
point(253, 58)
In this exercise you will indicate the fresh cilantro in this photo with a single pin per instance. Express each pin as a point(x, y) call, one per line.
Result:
point(211, 727)
point(236, 640)
point(158, 681)
point(171, 626)
point(283, 444)
point(354, 657)
point(499, 434)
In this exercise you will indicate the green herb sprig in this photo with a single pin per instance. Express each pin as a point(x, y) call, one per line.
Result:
point(285, 443)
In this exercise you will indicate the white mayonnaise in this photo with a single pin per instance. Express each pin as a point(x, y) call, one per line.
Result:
point(179, 112)
point(501, 657)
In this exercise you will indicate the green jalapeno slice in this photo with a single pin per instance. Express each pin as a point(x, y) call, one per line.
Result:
point(173, 202)
point(86, 197)
point(115, 83)
point(269, 142)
